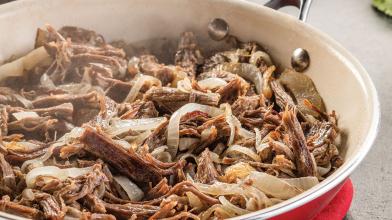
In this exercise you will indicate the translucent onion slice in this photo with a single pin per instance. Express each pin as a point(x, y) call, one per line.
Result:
point(123, 143)
point(228, 205)
point(324, 170)
point(174, 123)
point(235, 149)
point(194, 201)
point(133, 191)
point(25, 102)
point(219, 189)
point(38, 162)
point(211, 83)
point(118, 127)
point(184, 85)
point(23, 115)
point(54, 171)
point(273, 186)
point(187, 142)
point(140, 81)
point(21, 145)
point(65, 139)
point(27, 62)
point(303, 183)
point(230, 121)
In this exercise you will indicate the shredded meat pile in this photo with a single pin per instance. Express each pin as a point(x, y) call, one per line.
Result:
point(90, 132)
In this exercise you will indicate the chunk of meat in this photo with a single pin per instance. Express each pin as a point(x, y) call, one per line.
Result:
point(140, 109)
point(128, 163)
point(303, 159)
point(158, 190)
point(39, 128)
point(231, 91)
point(3, 122)
point(206, 171)
point(51, 208)
point(188, 54)
point(171, 99)
point(149, 65)
point(245, 103)
point(20, 210)
point(8, 182)
point(158, 137)
point(281, 97)
point(124, 211)
point(76, 188)
point(77, 100)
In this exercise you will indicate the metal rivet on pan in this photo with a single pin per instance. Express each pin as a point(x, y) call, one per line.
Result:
point(300, 60)
point(218, 29)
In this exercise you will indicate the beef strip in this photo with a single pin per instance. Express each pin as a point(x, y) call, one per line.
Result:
point(140, 109)
point(206, 171)
point(125, 211)
point(281, 97)
point(171, 99)
point(34, 127)
point(188, 54)
point(303, 159)
point(14, 208)
point(230, 92)
point(77, 100)
point(128, 163)
point(51, 208)
point(8, 182)
point(76, 188)
point(245, 103)
point(3, 122)
point(62, 111)
point(149, 65)
point(158, 190)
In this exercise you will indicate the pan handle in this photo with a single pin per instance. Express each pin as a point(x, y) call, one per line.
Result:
point(302, 5)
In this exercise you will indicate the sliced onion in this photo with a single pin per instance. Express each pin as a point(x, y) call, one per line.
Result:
point(260, 54)
point(46, 82)
point(140, 81)
point(219, 189)
point(211, 83)
point(235, 149)
point(118, 127)
point(161, 154)
point(21, 145)
point(23, 115)
point(303, 183)
point(133, 191)
point(184, 156)
point(184, 85)
point(27, 62)
point(245, 133)
point(324, 170)
point(64, 140)
point(38, 162)
point(54, 171)
point(69, 137)
point(174, 123)
point(194, 201)
point(207, 214)
point(186, 142)
point(228, 205)
point(25, 102)
point(273, 186)
point(124, 144)
point(238, 171)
